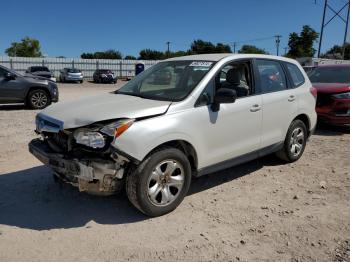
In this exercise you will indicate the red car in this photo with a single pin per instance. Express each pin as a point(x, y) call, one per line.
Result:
point(333, 93)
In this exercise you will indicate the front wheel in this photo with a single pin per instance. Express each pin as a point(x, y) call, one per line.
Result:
point(295, 142)
point(160, 183)
point(38, 99)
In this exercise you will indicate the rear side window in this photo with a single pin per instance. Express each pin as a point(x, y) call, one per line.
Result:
point(297, 77)
point(272, 76)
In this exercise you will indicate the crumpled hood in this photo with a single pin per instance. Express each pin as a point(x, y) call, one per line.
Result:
point(85, 111)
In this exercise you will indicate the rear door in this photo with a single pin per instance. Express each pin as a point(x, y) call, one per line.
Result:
point(279, 101)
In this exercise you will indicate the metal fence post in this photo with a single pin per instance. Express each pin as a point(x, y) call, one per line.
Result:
point(73, 63)
point(11, 65)
point(43, 62)
point(120, 68)
point(97, 65)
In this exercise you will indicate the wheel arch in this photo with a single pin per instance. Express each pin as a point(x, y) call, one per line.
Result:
point(306, 120)
point(184, 146)
point(32, 88)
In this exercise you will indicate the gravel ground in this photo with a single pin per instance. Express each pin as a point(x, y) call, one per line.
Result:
point(260, 211)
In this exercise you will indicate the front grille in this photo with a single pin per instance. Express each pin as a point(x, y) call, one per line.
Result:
point(46, 76)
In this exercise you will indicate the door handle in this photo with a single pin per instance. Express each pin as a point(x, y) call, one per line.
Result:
point(291, 98)
point(255, 108)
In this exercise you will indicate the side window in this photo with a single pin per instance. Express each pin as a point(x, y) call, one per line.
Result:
point(272, 76)
point(2, 72)
point(297, 77)
point(236, 76)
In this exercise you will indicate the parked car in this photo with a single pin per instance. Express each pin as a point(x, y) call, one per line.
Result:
point(151, 139)
point(104, 76)
point(42, 71)
point(309, 69)
point(71, 75)
point(34, 91)
point(333, 93)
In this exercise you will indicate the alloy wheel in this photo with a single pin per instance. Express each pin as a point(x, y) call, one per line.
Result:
point(39, 99)
point(297, 141)
point(165, 182)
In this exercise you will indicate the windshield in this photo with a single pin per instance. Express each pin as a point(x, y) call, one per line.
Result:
point(39, 68)
point(169, 81)
point(330, 75)
point(73, 70)
point(105, 71)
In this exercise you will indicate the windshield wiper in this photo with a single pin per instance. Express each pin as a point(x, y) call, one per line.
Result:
point(130, 94)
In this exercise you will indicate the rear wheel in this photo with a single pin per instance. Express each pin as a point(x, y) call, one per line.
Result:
point(160, 183)
point(295, 142)
point(38, 99)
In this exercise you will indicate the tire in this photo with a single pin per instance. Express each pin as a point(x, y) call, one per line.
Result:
point(81, 81)
point(295, 142)
point(38, 99)
point(158, 193)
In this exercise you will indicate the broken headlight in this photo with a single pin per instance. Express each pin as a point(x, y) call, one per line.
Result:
point(89, 138)
point(117, 128)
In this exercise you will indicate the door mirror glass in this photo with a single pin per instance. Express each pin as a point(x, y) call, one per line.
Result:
point(225, 96)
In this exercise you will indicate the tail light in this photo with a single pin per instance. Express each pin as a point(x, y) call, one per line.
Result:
point(313, 91)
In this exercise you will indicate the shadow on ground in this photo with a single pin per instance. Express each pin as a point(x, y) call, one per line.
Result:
point(330, 130)
point(31, 199)
point(13, 107)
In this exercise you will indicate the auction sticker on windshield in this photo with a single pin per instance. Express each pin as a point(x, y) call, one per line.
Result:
point(201, 63)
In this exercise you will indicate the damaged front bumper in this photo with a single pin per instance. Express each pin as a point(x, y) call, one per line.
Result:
point(95, 176)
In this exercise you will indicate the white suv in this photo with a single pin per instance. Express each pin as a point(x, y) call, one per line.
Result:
point(183, 117)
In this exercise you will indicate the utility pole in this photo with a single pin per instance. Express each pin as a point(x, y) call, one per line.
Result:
point(278, 41)
point(168, 52)
point(234, 47)
point(322, 28)
point(346, 30)
point(336, 14)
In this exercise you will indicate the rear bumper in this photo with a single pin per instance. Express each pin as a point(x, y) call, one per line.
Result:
point(92, 176)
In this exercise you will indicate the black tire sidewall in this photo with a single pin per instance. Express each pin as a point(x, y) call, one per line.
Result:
point(145, 171)
point(31, 93)
point(295, 124)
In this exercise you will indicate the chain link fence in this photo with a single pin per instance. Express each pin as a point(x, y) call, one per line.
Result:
point(122, 68)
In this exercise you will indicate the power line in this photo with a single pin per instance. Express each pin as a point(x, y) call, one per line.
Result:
point(253, 40)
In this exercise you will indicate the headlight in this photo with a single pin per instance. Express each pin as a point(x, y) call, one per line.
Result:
point(117, 128)
point(342, 95)
point(89, 138)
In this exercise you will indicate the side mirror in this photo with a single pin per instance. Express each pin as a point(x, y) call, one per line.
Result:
point(223, 96)
point(10, 76)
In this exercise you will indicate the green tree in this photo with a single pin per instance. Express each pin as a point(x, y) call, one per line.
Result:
point(302, 45)
point(204, 47)
point(222, 48)
point(28, 47)
point(109, 54)
point(149, 54)
point(251, 49)
point(336, 52)
point(130, 57)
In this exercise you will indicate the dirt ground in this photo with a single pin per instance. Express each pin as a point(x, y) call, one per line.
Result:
point(260, 211)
